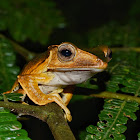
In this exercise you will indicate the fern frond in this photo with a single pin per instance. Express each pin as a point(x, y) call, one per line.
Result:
point(10, 128)
point(125, 78)
point(112, 120)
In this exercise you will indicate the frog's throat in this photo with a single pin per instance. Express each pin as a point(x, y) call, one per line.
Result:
point(92, 70)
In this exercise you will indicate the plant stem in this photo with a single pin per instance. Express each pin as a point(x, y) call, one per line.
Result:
point(21, 50)
point(109, 95)
point(50, 113)
point(136, 49)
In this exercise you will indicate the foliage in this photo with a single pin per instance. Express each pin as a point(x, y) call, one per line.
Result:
point(9, 70)
point(138, 136)
point(115, 34)
point(112, 120)
point(135, 10)
point(10, 128)
point(125, 73)
point(125, 78)
point(11, 97)
point(30, 19)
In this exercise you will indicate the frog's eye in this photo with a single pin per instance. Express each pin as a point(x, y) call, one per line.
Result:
point(66, 52)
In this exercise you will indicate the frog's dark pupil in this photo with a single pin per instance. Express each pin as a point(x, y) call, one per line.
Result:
point(66, 53)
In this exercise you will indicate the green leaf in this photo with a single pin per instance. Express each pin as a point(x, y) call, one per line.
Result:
point(10, 128)
point(30, 19)
point(12, 96)
point(10, 125)
point(8, 70)
point(125, 75)
point(82, 135)
point(139, 136)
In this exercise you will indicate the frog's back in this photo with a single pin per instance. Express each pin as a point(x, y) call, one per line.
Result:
point(32, 65)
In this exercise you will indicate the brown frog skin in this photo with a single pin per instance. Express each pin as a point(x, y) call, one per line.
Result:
point(54, 72)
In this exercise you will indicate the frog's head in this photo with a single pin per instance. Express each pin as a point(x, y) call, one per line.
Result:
point(67, 57)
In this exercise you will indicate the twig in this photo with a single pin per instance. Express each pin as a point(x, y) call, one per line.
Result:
point(111, 95)
point(21, 50)
point(136, 49)
point(51, 114)
point(125, 49)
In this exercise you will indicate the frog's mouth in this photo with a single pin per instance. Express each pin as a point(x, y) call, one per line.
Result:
point(92, 70)
point(84, 65)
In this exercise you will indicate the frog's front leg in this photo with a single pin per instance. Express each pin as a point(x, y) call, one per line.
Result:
point(30, 84)
point(67, 94)
point(14, 88)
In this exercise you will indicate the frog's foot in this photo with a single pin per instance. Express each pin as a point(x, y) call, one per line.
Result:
point(24, 103)
point(68, 116)
point(56, 97)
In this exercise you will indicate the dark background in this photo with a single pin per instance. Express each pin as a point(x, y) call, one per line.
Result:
point(83, 16)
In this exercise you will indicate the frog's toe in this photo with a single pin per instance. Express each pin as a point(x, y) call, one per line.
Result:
point(68, 117)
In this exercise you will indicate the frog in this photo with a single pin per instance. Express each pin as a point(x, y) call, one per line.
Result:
point(51, 76)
